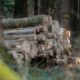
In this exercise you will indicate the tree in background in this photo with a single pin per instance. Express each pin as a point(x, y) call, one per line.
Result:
point(74, 15)
point(35, 7)
point(1, 30)
point(20, 9)
point(44, 6)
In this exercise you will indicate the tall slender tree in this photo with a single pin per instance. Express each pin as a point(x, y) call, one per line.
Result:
point(44, 6)
point(35, 7)
point(1, 30)
point(20, 9)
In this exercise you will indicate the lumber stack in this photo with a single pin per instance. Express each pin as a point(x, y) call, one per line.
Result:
point(45, 40)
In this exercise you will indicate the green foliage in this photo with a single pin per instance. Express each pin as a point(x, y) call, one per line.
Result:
point(6, 57)
point(6, 73)
point(7, 7)
point(55, 73)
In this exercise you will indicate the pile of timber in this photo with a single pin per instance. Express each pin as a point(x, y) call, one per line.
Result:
point(37, 37)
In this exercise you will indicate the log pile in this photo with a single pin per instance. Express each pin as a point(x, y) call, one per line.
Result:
point(46, 40)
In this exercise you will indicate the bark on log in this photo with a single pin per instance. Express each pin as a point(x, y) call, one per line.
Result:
point(24, 22)
point(19, 31)
point(30, 37)
point(18, 45)
point(41, 37)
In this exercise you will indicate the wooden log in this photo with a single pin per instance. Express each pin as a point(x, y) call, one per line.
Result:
point(74, 60)
point(50, 35)
point(48, 53)
point(45, 29)
point(55, 26)
point(30, 37)
point(68, 34)
point(22, 22)
point(59, 61)
point(18, 45)
point(37, 28)
point(34, 50)
point(41, 48)
point(47, 20)
point(51, 53)
point(21, 56)
point(19, 31)
point(49, 44)
point(13, 54)
point(67, 52)
point(26, 57)
point(41, 37)
point(40, 56)
point(58, 51)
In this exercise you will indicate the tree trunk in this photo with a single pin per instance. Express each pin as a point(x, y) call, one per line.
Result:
point(44, 6)
point(35, 7)
point(18, 9)
point(23, 22)
point(55, 9)
point(1, 30)
point(25, 8)
point(21, 9)
point(74, 17)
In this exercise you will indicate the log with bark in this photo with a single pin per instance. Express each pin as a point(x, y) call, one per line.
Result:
point(30, 37)
point(28, 21)
point(33, 49)
point(19, 31)
point(22, 22)
point(18, 45)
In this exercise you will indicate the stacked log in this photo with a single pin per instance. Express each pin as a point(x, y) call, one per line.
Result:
point(47, 40)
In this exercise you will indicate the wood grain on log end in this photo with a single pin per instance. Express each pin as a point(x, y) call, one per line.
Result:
point(41, 48)
point(41, 37)
point(25, 46)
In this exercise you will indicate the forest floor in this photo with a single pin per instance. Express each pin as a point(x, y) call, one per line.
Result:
point(55, 73)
